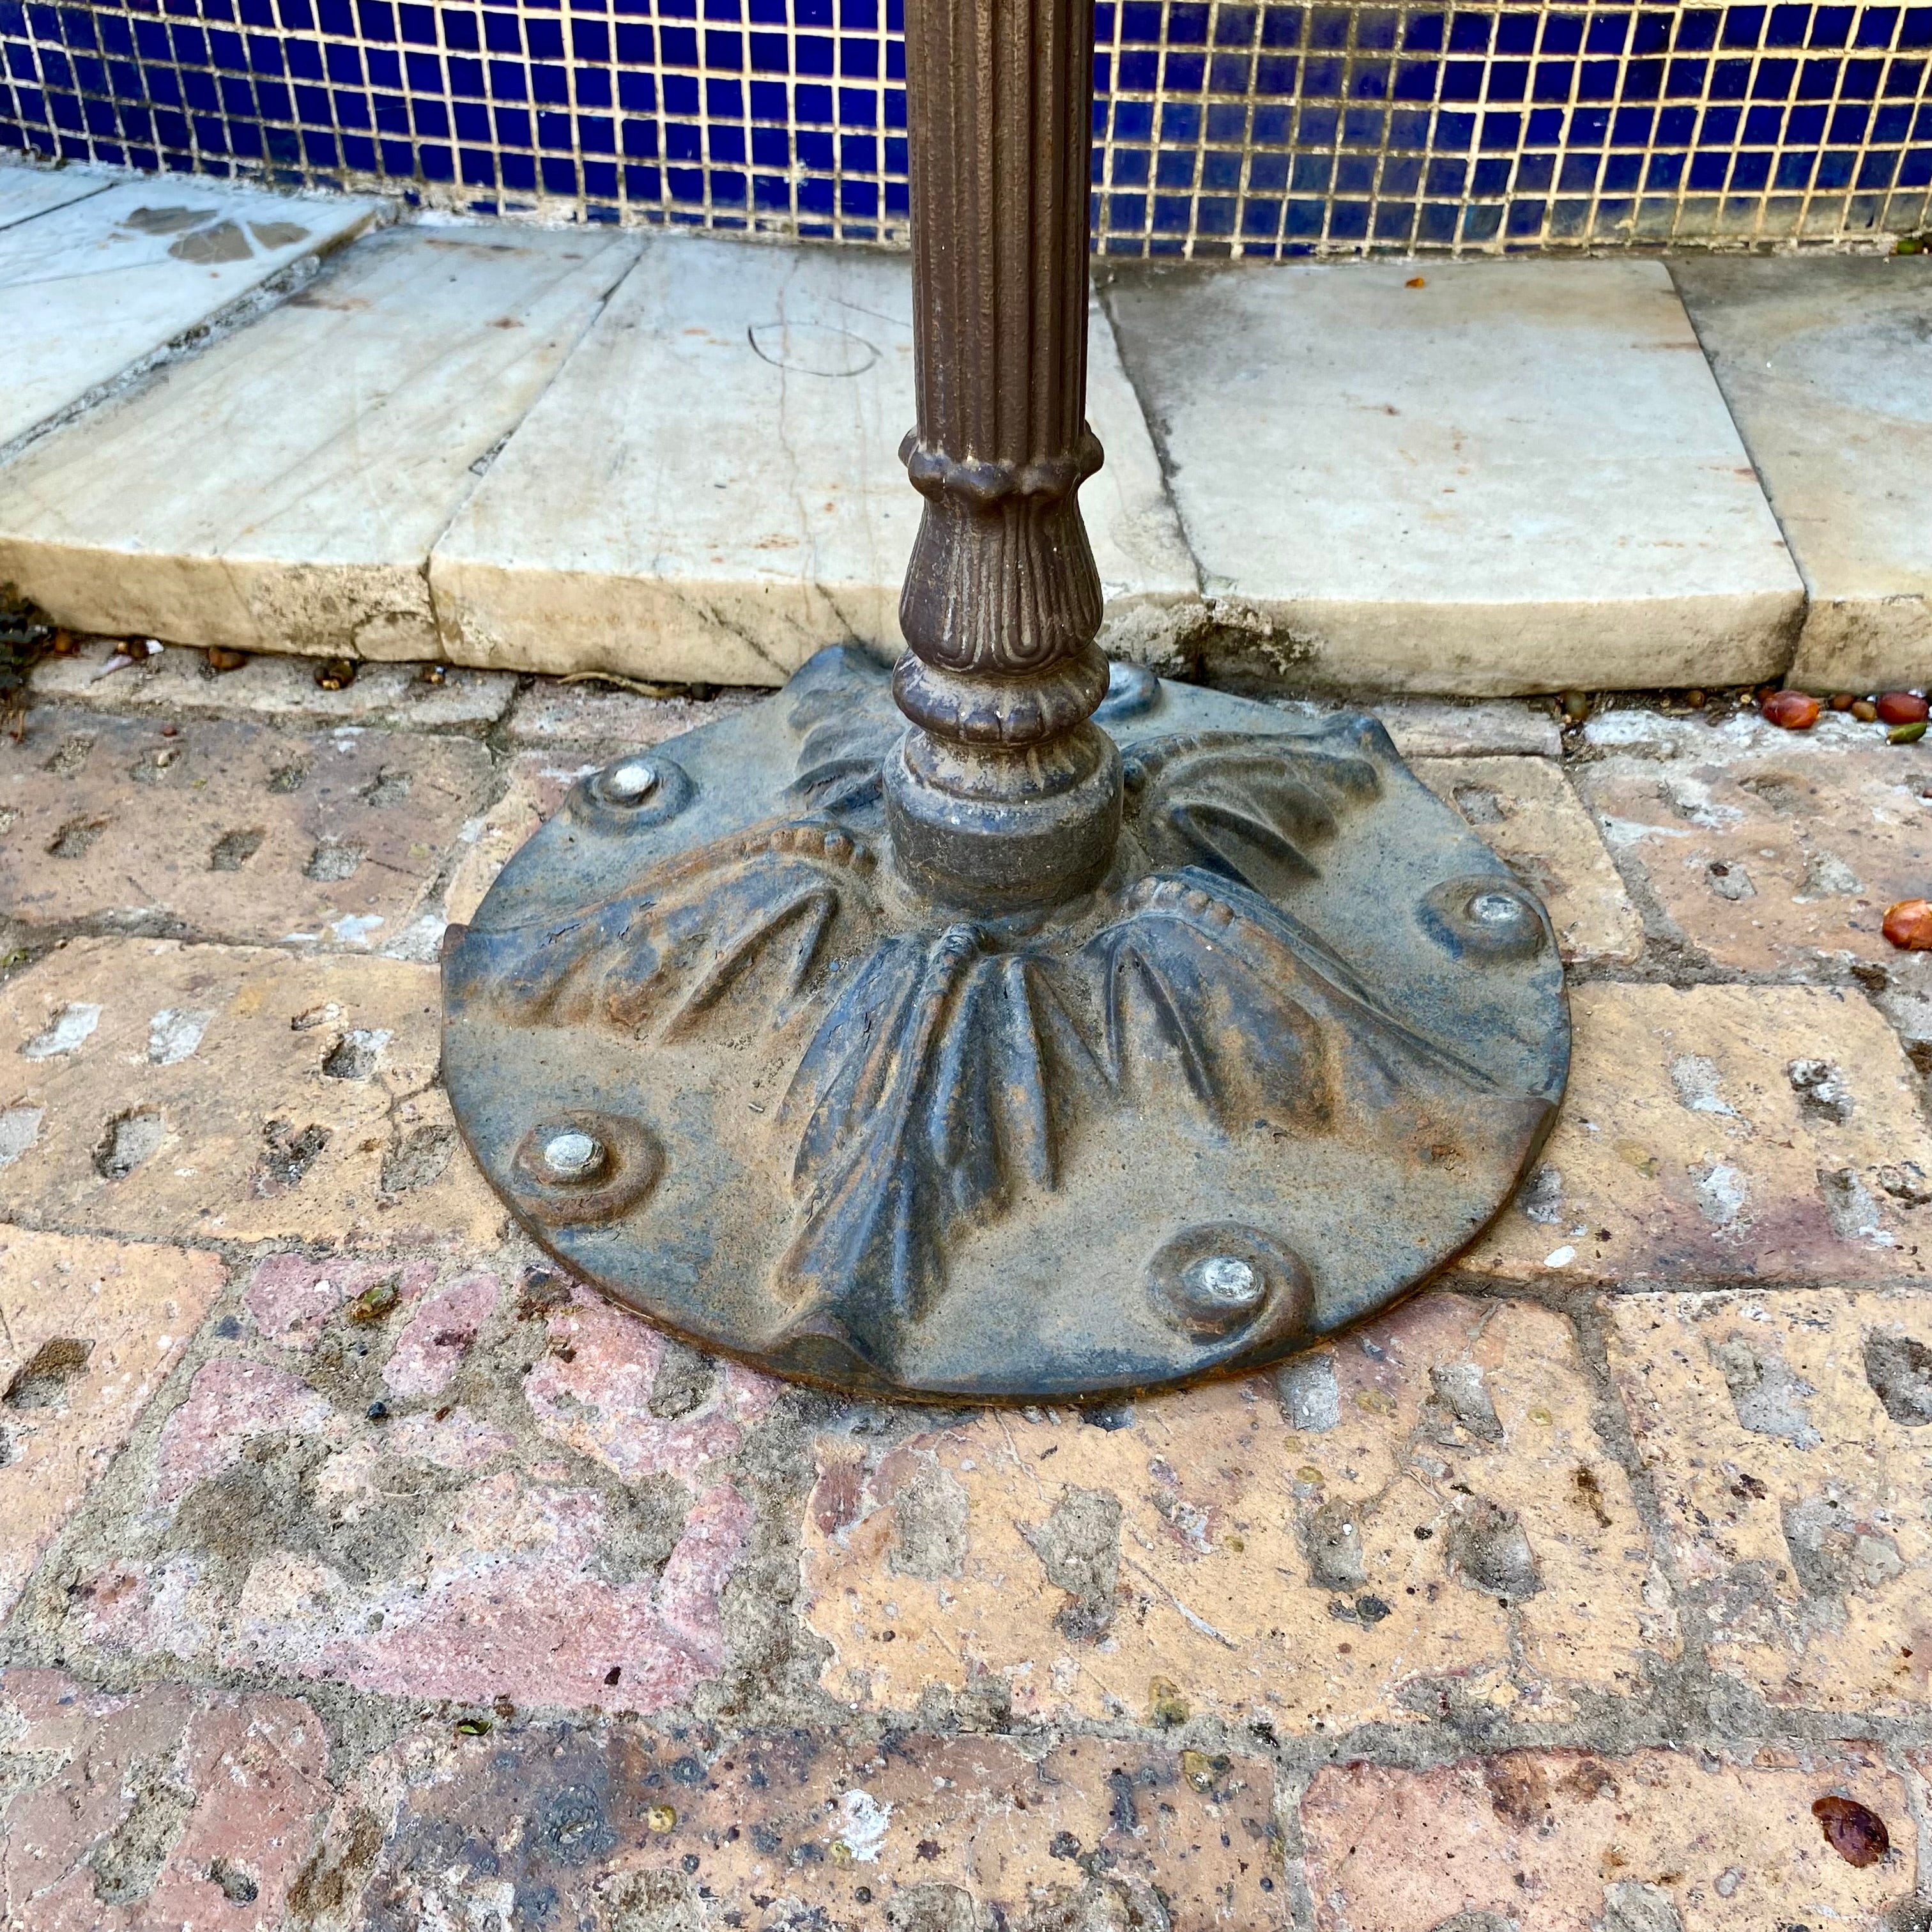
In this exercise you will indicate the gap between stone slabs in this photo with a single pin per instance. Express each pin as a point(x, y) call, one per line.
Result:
point(711, 490)
point(89, 290)
point(350, 423)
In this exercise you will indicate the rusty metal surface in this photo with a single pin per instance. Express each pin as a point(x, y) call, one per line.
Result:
point(1289, 1056)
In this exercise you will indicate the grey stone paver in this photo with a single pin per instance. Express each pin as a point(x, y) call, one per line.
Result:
point(1826, 363)
point(1476, 477)
point(351, 423)
point(90, 288)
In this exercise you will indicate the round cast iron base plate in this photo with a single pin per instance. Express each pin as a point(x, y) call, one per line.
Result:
point(1288, 1057)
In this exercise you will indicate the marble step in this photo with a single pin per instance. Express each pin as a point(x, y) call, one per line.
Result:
point(282, 491)
point(94, 284)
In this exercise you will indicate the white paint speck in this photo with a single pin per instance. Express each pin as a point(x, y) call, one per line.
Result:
point(1560, 1257)
point(173, 1034)
point(865, 1822)
point(72, 1028)
point(354, 929)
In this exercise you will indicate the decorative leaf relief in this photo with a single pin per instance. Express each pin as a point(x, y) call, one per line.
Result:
point(1255, 810)
point(948, 1074)
point(951, 1070)
point(651, 961)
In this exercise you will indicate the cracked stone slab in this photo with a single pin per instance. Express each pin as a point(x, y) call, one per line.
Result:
point(230, 830)
point(87, 1330)
point(179, 683)
point(711, 490)
point(89, 290)
point(1509, 476)
point(1421, 1515)
point(1723, 1136)
point(1651, 1841)
point(1786, 1437)
point(205, 1092)
point(352, 422)
point(26, 192)
point(1826, 362)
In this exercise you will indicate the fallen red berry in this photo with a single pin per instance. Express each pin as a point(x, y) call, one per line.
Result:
point(1854, 1830)
point(1908, 925)
point(1900, 707)
point(1792, 710)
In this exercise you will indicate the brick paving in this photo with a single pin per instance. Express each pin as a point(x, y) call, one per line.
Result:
point(360, 1571)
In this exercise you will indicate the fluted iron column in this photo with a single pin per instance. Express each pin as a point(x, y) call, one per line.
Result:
point(1002, 793)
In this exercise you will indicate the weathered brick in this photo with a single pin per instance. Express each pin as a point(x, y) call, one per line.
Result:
point(1418, 1516)
point(1789, 1439)
point(1438, 727)
point(229, 830)
point(1527, 812)
point(1572, 1841)
point(197, 1092)
point(409, 1505)
point(88, 1329)
point(171, 1807)
point(178, 683)
point(616, 1828)
point(1724, 1134)
point(1779, 856)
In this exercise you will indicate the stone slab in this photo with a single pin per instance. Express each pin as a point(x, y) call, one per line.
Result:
point(552, 712)
point(208, 1093)
point(27, 192)
point(88, 1329)
point(1419, 1518)
point(1529, 814)
point(1426, 728)
point(1779, 857)
point(1826, 362)
point(180, 683)
point(1518, 476)
point(229, 829)
point(614, 1828)
point(87, 290)
point(1786, 1439)
point(1723, 1136)
point(1559, 1841)
point(352, 422)
point(170, 1806)
point(712, 489)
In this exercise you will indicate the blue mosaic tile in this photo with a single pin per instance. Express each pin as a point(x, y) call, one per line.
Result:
point(1221, 126)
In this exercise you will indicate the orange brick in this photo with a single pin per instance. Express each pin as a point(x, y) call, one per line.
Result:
point(194, 1092)
point(1560, 1841)
point(1721, 1135)
point(1420, 1511)
point(88, 1329)
point(1788, 1437)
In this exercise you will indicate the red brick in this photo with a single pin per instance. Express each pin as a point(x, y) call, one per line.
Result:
point(1571, 1841)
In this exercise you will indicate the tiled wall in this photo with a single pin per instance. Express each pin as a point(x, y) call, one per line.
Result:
point(1220, 126)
